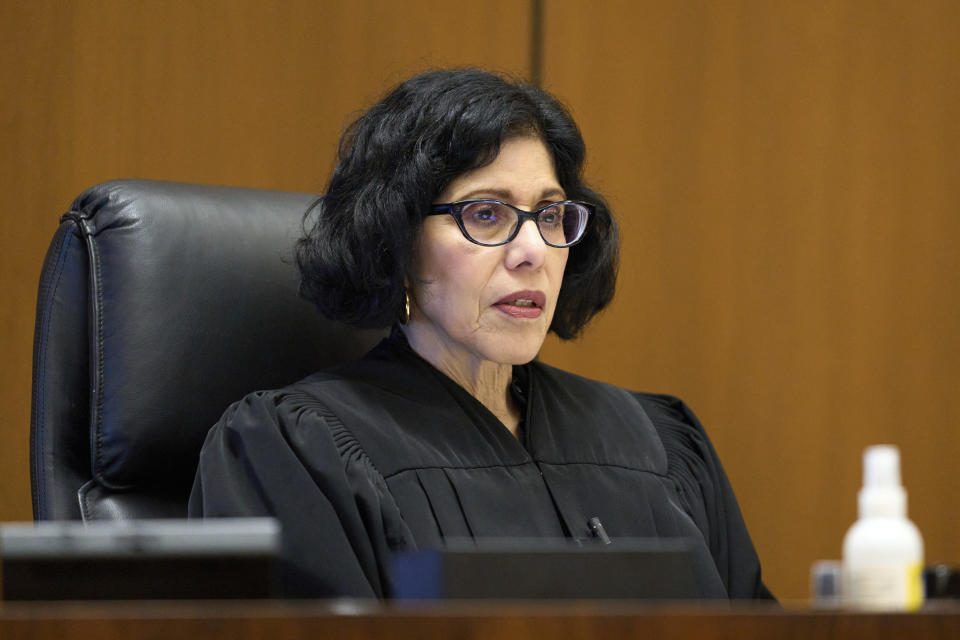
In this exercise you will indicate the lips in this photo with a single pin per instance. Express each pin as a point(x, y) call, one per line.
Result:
point(522, 304)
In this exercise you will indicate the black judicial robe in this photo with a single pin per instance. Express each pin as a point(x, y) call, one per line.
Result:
point(387, 454)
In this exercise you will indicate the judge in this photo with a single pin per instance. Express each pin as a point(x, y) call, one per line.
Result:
point(458, 215)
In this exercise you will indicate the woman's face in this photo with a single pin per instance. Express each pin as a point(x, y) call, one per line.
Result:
point(464, 296)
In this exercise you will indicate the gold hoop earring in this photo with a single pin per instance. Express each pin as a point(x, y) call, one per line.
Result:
point(405, 311)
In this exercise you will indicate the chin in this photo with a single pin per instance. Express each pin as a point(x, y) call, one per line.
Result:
point(518, 351)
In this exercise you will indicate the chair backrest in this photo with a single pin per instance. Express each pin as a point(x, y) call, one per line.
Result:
point(161, 303)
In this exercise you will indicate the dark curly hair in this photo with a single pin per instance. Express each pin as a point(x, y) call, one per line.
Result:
point(398, 155)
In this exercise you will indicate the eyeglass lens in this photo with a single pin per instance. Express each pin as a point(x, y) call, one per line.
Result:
point(494, 222)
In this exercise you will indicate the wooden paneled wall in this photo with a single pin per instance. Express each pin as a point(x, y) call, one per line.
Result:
point(785, 174)
point(235, 92)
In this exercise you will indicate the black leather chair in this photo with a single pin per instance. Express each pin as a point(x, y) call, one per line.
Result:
point(161, 303)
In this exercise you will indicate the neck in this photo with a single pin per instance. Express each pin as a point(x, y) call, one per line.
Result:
point(485, 380)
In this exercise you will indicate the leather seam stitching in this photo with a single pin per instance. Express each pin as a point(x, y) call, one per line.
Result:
point(97, 299)
point(49, 293)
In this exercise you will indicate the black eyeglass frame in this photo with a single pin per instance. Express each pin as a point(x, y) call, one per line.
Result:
point(455, 209)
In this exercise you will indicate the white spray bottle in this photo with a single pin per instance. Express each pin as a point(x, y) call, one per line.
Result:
point(883, 550)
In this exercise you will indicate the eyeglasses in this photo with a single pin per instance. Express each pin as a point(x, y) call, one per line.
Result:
point(491, 223)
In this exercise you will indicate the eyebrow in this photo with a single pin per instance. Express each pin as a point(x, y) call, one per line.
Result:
point(505, 195)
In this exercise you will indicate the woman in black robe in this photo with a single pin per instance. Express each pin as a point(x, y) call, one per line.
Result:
point(451, 428)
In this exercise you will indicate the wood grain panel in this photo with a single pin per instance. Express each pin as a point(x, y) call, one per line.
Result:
point(353, 620)
point(786, 178)
point(237, 92)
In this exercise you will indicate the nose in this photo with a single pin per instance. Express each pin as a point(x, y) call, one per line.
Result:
point(527, 248)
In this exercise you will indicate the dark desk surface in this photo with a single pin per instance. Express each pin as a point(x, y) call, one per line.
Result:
point(488, 621)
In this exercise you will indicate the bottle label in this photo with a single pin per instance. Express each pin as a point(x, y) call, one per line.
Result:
point(887, 587)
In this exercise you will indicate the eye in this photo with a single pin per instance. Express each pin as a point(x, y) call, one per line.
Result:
point(483, 214)
point(552, 217)
point(486, 214)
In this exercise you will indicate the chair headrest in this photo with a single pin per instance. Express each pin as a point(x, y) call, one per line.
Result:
point(193, 304)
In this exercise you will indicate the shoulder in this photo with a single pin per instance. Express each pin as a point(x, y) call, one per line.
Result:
point(666, 409)
point(650, 426)
point(674, 424)
point(548, 377)
point(301, 400)
point(662, 409)
point(674, 420)
point(297, 416)
point(691, 458)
